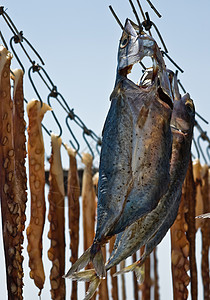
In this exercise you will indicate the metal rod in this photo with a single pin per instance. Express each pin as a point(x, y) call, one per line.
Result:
point(201, 118)
point(155, 10)
point(179, 82)
point(136, 15)
point(143, 15)
point(3, 40)
point(160, 37)
point(34, 50)
point(11, 22)
point(171, 60)
point(15, 54)
point(116, 17)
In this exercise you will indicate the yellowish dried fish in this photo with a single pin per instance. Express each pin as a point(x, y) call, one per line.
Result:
point(88, 201)
point(36, 112)
point(56, 217)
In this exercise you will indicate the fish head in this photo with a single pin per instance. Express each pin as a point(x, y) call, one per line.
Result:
point(133, 47)
point(183, 116)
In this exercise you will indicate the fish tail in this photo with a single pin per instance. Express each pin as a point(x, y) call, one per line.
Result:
point(137, 267)
point(98, 260)
point(89, 276)
point(80, 263)
point(126, 269)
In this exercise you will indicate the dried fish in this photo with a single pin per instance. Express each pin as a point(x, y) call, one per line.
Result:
point(136, 146)
point(143, 230)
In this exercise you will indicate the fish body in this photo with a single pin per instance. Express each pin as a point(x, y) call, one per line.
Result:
point(140, 232)
point(136, 146)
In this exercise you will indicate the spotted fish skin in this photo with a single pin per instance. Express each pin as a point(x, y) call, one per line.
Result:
point(140, 232)
point(136, 145)
point(151, 151)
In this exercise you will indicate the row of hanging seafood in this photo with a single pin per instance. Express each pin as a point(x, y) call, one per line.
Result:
point(146, 185)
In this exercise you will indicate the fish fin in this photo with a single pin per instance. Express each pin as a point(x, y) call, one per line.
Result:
point(79, 264)
point(126, 269)
point(98, 260)
point(136, 267)
point(92, 287)
point(88, 276)
point(140, 274)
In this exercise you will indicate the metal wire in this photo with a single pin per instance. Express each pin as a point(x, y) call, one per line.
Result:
point(18, 38)
point(53, 92)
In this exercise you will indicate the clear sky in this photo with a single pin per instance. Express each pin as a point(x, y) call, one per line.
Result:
point(78, 41)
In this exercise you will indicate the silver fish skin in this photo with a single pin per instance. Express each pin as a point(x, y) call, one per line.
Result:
point(142, 230)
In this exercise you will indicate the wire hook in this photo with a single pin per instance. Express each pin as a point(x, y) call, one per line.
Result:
point(53, 94)
point(87, 132)
point(36, 69)
point(75, 139)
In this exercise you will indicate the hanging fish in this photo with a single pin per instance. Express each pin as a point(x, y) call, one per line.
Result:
point(163, 216)
point(136, 146)
point(152, 228)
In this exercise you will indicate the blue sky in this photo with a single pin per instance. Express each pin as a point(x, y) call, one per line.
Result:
point(78, 41)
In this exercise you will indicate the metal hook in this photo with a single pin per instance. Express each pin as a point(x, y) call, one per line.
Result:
point(147, 23)
point(36, 68)
point(9, 22)
point(75, 139)
point(32, 83)
point(18, 38)
point(86, 132)
point(52, 94)
point(143, 15)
